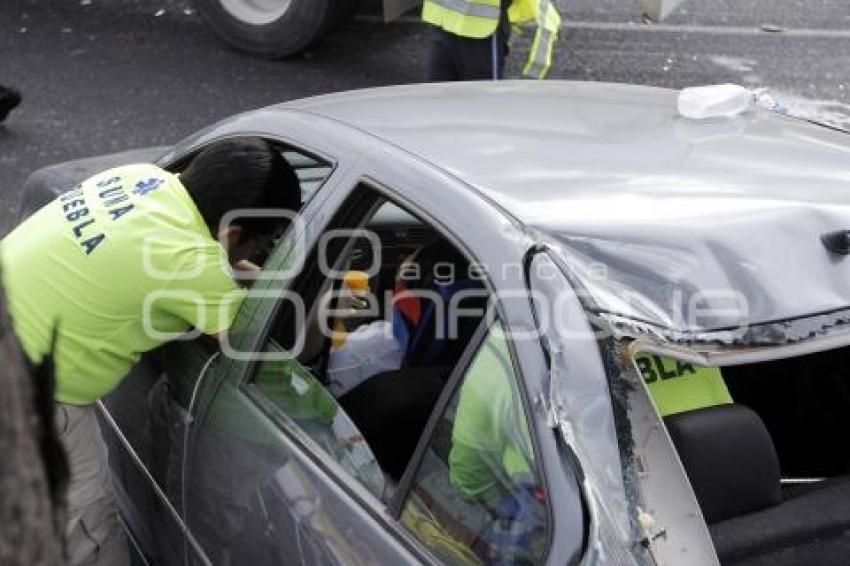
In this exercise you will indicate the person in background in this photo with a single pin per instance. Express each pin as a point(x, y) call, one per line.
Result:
point(469, 38)
point(116, 267)
point(9, 99)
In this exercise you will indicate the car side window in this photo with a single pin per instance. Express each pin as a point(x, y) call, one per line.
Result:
point(478, 496)
point(365, 355)
point(311, 171)
point(295, 391)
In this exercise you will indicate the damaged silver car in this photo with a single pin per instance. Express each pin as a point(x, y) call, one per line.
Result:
point(624, 342)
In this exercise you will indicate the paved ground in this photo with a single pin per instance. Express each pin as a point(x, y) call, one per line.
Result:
point(106, 75)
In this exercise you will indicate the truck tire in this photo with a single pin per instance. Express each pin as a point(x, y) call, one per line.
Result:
point(271, 28)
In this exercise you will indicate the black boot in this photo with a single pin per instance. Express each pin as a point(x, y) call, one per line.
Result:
point(9, 98)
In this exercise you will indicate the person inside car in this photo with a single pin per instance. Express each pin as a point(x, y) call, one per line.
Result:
point(491, 460)
point(410, 336)
point(491, 457)
point(124, 262)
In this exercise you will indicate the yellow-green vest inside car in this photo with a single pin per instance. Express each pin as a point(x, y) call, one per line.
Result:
point(678, 386)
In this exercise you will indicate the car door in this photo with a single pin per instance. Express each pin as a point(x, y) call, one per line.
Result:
point(275, 471)
point(279, 471)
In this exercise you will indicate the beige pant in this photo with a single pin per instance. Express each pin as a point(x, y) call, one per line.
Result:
point(94, 535)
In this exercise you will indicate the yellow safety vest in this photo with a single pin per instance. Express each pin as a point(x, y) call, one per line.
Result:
point(480, 18)
point(678, 386)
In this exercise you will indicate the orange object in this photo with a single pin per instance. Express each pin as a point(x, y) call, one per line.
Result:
point(358, 283)
point(356, 280)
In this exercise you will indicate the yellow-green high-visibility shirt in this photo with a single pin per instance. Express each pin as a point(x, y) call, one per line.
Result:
point(119, 265)
point(491, 443)
point(678, 386)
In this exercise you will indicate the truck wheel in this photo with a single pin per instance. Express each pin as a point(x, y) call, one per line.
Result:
point(269, 28)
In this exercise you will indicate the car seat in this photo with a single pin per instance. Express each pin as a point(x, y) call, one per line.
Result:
point(392, 408)
point(731, 462)
point(429, 333)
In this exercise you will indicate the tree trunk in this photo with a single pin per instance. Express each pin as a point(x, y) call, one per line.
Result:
point(31, 470)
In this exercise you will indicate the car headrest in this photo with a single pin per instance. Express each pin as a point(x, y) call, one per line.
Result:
point(729, 458)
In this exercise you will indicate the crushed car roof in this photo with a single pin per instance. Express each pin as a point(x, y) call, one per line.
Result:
point(613, 151)
point(649, 209)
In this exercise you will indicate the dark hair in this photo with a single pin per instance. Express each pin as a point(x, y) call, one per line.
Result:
point(241, 173)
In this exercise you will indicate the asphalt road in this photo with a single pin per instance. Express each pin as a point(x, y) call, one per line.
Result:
point(100, 76)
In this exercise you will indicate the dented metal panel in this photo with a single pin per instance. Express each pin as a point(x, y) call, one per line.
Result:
point(664, 519)
point(580, 406)
point(669, 521)
point(687, 225)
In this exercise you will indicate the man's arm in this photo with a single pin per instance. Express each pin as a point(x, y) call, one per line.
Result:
point(209, 300)
point(246, 272)
point(316, 332)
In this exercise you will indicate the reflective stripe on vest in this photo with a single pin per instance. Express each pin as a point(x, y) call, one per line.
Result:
point(467, 8)
point(466, 18)
point(548, 25)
